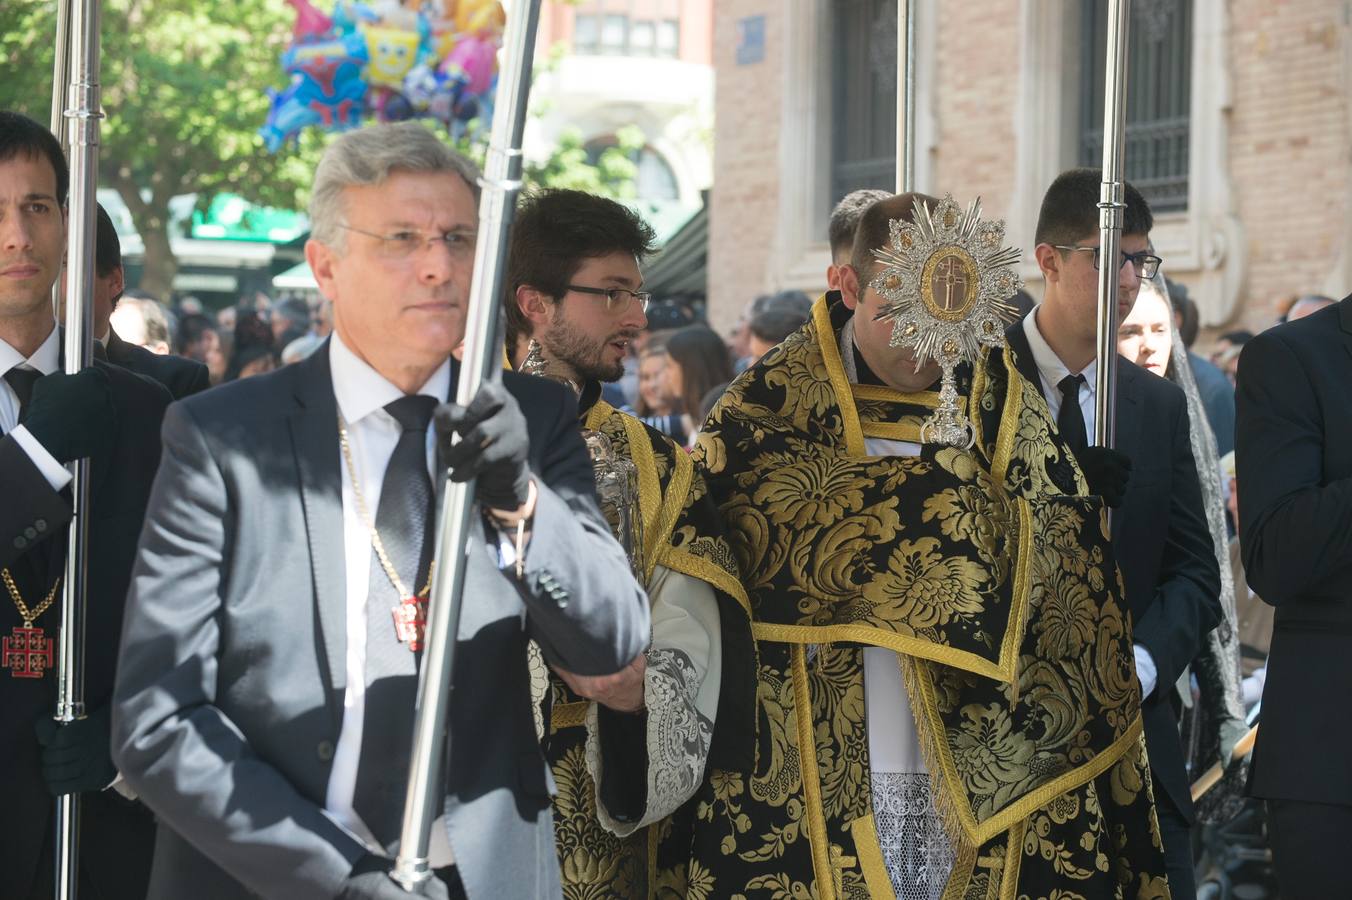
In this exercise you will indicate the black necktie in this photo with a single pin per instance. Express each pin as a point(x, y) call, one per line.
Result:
point(391, 668)
point(22, 381)
point(1070, 421)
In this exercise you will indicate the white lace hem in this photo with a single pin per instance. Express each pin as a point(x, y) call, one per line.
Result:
point(915, 848)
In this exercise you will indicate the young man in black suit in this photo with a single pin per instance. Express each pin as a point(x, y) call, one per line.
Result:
point(182, 376)
point(1294, 456)
point(1159, 534)
point(48, 418)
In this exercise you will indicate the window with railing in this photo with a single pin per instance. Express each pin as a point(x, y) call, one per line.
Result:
point(1159, 93)
point(863, 96)
point(628, 28)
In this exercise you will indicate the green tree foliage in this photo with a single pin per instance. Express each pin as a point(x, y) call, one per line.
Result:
point(183, 87)
point(184, 91)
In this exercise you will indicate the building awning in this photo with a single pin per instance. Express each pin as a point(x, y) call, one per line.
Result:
point(681, 268)
point(297, 278)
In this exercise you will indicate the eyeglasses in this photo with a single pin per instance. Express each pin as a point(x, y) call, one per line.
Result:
point(1145, 264)
point(617, 299)
point(403, 244)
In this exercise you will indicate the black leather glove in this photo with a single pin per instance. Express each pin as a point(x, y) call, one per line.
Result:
point(1107, 472)
point(72, 416)
point(370, 880)
point(75, 756)
point(494, 446)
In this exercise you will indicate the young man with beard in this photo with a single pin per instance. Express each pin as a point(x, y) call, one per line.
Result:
point(577, 292)
point(946, 704)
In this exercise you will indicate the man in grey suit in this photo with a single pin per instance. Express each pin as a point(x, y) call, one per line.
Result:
point(263, 706)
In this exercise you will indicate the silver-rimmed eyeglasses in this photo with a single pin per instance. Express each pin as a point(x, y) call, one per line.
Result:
point(617, 299)
point(404, 244)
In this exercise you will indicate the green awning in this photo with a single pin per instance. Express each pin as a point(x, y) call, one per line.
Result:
point(298, 277)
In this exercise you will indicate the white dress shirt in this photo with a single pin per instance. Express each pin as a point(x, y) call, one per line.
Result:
point(1052, 370)
point(372, 433)
point(46, 359)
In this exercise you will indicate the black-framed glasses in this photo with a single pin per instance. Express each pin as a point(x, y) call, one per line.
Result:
point(403, 244)
point(1145, 263)
point(617, 299)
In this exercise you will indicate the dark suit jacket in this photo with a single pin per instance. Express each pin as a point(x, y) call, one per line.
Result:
point(229, 699)
point(116, 835)
point(182, 376)
point(1294, 479)
point(1163, 549)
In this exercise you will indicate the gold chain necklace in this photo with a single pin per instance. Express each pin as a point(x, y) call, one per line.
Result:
point(27, 652)
point(29, 617)
point(410, 613)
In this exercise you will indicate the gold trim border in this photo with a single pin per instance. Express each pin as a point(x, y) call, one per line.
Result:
point(810, 777)
point(835, 371)
point(1004, 669)
point(979, 833)
point(568, 715)
point(802, 635)
point(870, 856)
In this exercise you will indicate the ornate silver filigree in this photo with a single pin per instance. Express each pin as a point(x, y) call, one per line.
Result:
point(945, 278)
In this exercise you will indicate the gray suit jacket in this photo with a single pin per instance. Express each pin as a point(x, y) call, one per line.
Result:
point(229, 694)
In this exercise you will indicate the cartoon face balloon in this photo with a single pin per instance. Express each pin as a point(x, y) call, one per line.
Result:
point(393, 52)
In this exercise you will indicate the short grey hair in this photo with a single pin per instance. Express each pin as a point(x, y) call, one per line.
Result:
point(369, 156)
point(846, 215)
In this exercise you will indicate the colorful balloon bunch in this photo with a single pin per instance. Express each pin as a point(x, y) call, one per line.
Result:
point(390, 60)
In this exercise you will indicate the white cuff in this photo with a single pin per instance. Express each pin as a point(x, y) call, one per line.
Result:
point(1146, 673)
point(53, 471)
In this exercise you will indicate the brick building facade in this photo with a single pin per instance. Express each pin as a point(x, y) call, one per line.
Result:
point(1263, 153)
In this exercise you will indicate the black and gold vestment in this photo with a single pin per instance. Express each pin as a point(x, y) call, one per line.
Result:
point(989, 572)
point(682, 534)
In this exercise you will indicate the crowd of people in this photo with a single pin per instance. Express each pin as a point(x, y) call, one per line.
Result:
point(834, 658)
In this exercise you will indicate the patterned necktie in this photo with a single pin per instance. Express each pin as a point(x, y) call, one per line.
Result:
point(402, 521)
point(1070, 420)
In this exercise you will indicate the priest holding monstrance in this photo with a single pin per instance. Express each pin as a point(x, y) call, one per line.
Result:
point(947, 700)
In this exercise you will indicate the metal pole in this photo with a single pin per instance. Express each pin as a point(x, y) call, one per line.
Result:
point(905, 96)
point(60, 85)
point(482, 360)
point(82, 121)
point(61, 71)
point(1111, 206)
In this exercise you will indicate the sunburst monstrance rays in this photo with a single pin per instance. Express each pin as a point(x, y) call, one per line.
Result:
point(945, 279)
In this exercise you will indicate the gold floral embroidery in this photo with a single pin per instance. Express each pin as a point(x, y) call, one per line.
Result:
point(921, 588)
point(836, 546)
point(683, 531)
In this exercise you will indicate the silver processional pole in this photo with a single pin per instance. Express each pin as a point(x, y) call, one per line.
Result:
point(905, 96)
point(481, 361)
point(1111, 208)
point(76, 115)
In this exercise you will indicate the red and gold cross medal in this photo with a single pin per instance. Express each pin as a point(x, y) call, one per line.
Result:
point(27, 652)
point(410, 622)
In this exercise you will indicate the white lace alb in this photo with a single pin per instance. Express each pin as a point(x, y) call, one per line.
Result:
point(915, 847)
